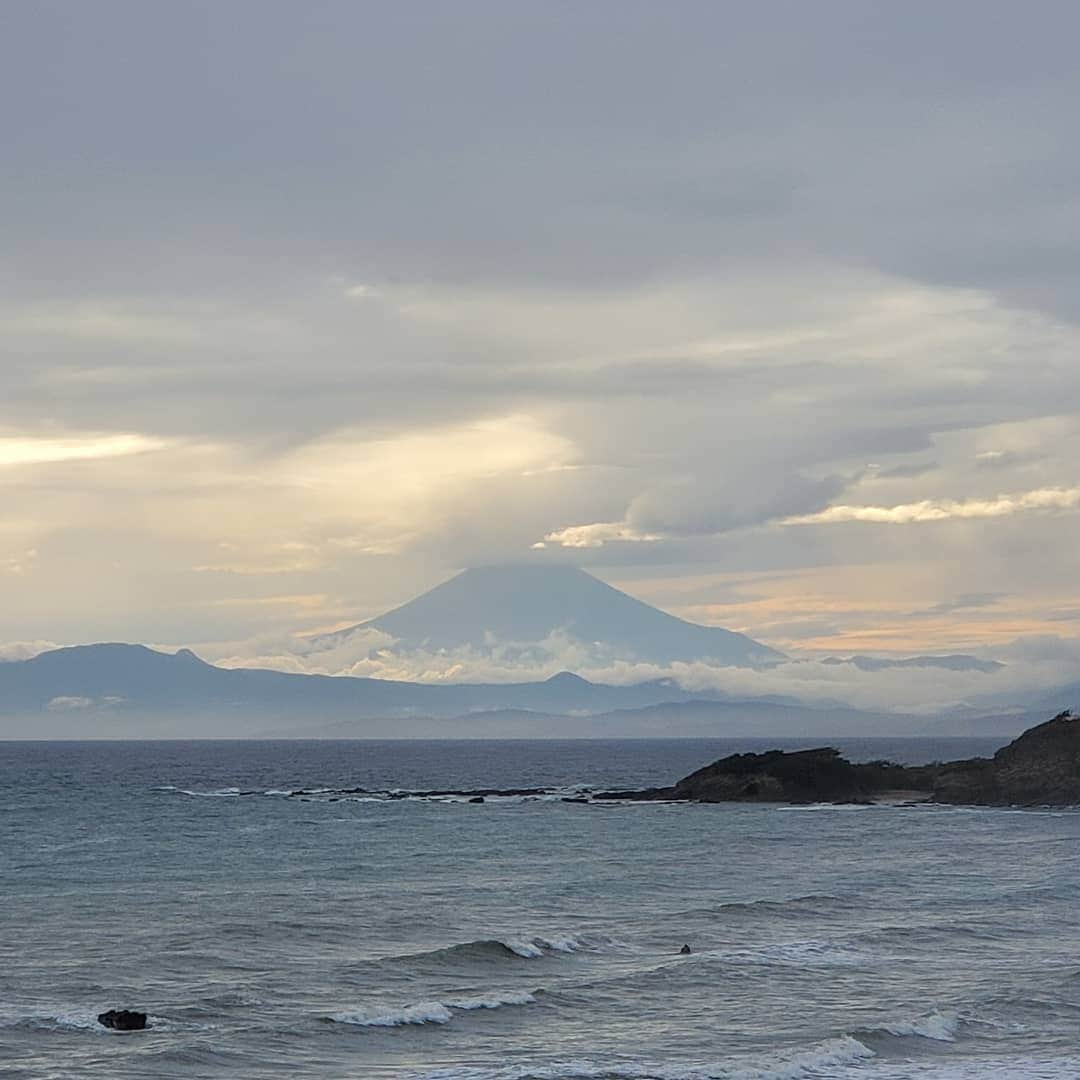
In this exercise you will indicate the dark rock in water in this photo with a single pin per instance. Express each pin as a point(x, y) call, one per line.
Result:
point(819, 775)
point(685, 950)
point(1040, 768)
point(472, 794)
point(123, 1020)
point(800, 776)
point(644, 795)
point(477, 798)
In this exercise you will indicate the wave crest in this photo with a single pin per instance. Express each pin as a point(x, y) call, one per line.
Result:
point(434, 1012)
point(830, 1054)
point(525, 947)
point(941, 1027)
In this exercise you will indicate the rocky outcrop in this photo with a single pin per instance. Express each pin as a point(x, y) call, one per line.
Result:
point(800, 776)
point(1041, 767)
point(820, 775)
point(123, 1020)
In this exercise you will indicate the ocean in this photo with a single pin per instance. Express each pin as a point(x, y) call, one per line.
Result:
point(276, 922)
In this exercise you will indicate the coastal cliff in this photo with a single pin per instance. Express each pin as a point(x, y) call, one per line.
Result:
point(1041, 767)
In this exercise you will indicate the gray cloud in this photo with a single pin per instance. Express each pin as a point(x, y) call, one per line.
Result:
point(965, 602)
point(571, 266)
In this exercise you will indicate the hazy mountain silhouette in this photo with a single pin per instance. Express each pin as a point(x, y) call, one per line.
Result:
point(507, 606)
point(119, 689)
point(114, 680)
point(132, 691)
point(952, 662)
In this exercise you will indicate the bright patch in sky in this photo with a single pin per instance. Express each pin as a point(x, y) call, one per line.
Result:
point(16, 450)
point(943, 509)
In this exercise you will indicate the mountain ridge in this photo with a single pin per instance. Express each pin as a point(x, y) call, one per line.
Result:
point(133, 689)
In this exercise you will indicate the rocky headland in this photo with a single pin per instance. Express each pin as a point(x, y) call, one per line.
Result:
point(1040, 768)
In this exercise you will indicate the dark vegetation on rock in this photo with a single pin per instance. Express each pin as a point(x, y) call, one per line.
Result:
point(1041, 767)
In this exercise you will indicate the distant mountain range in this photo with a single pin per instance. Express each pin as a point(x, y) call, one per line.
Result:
point(519, 609)
point(120, 690)
point(515, 612)
point(131, 690)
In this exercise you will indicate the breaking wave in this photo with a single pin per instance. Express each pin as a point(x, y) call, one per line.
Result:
point(830, 1054)
point(434, 1012)
point(487, 950)
point(941, 1027)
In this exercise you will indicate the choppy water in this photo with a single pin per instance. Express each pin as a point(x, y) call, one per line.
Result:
point(348, 937)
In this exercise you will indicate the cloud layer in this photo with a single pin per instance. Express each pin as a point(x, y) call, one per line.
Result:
point(305, 310)
point(944, 509)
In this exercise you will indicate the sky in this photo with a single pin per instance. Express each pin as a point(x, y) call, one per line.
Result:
point(768, 314)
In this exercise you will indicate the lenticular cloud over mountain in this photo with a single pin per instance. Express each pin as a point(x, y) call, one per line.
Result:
point(522, 610)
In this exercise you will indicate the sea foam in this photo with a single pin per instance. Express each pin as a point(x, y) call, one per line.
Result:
point(510, 948)
point(434, 1012)
point(940, 1026)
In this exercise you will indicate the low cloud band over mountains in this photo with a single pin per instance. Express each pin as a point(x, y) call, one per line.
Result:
point(650, 673)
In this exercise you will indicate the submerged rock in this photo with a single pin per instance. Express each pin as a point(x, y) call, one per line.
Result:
point(123, 1020)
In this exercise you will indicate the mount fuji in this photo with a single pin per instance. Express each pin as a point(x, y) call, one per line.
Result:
point(522, 609)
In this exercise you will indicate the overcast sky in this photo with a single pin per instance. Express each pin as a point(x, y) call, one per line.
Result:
point(768, 313)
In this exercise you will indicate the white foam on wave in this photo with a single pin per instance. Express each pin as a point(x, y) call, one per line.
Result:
point(493, 1000)
point(434, 1012)
point(843, 1050)
point(325, 794)
point(217, 793)
point(840, 808)
point(425, 1012)
point(532, 948)
point(526, 948)
point(795, 954)
point(1026, 1068)
point(819, 1061)
point(939, 1026)
point(565, 944)
point(70, 1020)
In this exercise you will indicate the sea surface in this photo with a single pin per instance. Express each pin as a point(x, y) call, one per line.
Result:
point(275, 924)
